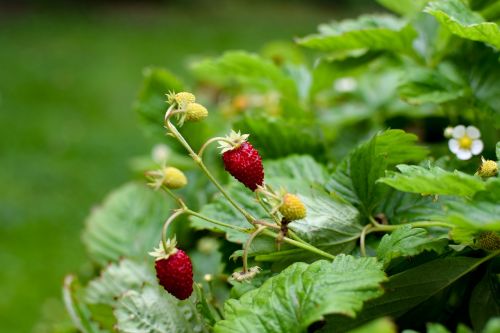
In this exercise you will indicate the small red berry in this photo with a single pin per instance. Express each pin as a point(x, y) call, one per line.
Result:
point(174, 271)
point(242, 161)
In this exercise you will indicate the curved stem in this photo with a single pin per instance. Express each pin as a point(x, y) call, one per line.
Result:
point(165, 227)
point(219, 223)
point(362, 237)
point(270, 225)
point(200, 163)
point(209, 141)
point(418, 224)
point(247, 245)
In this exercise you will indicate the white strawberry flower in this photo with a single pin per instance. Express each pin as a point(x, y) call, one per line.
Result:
point(465, 142)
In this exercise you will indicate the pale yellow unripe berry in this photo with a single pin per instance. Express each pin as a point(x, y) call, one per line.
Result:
point(174, 178)
point(195, 112)
point(183, 99)
point(488, 168)
point(292, 208)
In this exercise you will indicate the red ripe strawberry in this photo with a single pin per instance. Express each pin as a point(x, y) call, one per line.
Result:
point(242, 161)
point(174, 270)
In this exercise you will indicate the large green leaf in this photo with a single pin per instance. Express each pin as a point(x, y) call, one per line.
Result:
point(407, 241)
point(303, 294)
point(126, 224)
point(115, 280)
point(152, 310)
point(355, 177)
point(375, 32)
point(433, 180)
point(463, 22)
point(408, 289)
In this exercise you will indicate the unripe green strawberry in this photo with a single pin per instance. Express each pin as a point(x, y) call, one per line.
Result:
point(174, 178)
point(488, 240)
point(292, 208)
point(195, 112)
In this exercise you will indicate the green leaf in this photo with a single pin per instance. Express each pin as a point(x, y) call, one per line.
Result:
point(154, 310)
point(404, 7)
point(463, 22)
point(78, 311)
point(433, 180)
point(280, 137)
point(248, 68)
point(355, 177)
point(478, 215)
point(407, 241)
point(408, 289)
point(484, 302)
point(375, 32)
point(115, 280)
point(497, 150)
point(127, 224)
point(424, 85)
point(303, 294)
point(150, 103)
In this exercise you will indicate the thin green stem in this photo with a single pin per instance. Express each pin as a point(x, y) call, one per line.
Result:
point(362, 237)
point(263, 205)
point(247, 245)
point(165, 227)
point(173, 130)
point(219, 223)
point(305, 246)
point(175, 197)
point(418, 224)
point(212, 140)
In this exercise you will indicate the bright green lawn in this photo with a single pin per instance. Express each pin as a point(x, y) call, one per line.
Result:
point(67, 82)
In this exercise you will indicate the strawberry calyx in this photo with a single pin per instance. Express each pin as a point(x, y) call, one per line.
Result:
point(164, 251)
point(232, 141)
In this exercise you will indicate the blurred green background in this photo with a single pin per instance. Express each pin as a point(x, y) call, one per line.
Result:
point(68, 78)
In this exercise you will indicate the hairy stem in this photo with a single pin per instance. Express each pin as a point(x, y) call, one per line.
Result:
point(219, 223)
point(209, 141)
point(172, 217)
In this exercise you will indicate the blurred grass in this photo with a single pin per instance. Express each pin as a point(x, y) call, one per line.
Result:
point(67, 82)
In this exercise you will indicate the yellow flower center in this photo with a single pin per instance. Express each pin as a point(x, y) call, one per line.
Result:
point(465, 142)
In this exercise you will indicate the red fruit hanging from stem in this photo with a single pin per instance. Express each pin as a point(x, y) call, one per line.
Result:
point(242, 160)
point(174, 270)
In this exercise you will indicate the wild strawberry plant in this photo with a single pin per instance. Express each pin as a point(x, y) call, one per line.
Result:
point(364, 193)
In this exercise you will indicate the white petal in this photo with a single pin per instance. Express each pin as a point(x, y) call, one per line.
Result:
point(463, 154)
point(459, 131)
point(477, 147)
point(473, 132)
point(453, 145)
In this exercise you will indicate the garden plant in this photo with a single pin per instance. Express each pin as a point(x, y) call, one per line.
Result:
point(342, 181)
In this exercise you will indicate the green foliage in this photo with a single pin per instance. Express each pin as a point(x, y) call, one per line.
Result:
point(407, 241)
point(357, 136)
point(303, 294)
point(372, 32)
point(433, 180)
point(125, 225)
point(463, 22)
